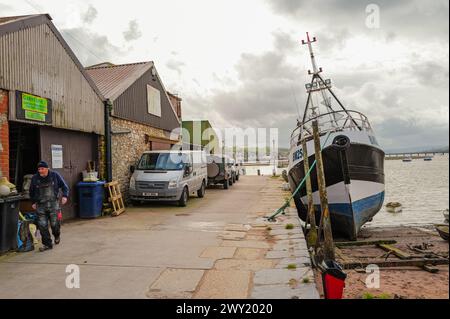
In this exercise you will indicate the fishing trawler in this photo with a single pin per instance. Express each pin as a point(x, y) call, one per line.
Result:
point(353, 161)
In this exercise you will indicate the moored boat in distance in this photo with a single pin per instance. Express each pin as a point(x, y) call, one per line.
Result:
point(445, 213)
point(428, 158)
point(407, 159)
point(353, 161)
point(394, 207)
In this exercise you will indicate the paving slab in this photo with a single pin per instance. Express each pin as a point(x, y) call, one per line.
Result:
point(301, 253)
point(238, 227)
point(48, 281)
point(255, 237)
point(175, 284)
point(245, 243)
point(304, 291)
point(241, 264)
point(287, 236)
point(249, 253)
point(278, 276)
point(218, 252)
point(232, 235)
point(298, 262)
point(224, 284)
point(277, 254)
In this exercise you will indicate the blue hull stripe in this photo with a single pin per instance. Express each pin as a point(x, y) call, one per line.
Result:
point(347, 219)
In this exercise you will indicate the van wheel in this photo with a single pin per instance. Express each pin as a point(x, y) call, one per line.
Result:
point(230, 181)
point(226, 185)
point(135, 202)
point(237, 177)
point(184, 198)
point(201, 191)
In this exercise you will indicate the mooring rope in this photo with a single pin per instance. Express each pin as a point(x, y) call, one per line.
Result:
point(288, 201)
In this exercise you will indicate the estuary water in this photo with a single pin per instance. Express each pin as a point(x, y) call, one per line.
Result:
point(421, 187)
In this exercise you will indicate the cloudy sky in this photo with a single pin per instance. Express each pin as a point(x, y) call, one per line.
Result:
point(240, 63)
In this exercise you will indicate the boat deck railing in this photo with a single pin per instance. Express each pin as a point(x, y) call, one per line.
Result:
point(332, 122)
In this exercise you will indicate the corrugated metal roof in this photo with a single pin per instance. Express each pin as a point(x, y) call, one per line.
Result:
point(14, 24)
point(12, 19)
point(113, 80)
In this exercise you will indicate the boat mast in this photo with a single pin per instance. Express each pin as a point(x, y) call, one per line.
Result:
point(319, 84)
point(317, 79)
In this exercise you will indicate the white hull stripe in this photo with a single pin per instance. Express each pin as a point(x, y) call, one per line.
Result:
point(341, 194)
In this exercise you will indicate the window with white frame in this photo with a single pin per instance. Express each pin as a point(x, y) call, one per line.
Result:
point(153, 101)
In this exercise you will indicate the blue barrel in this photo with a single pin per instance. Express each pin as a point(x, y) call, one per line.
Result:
point(90, 199)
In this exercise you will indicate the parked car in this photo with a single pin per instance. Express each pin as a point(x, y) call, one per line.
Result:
point(239, 169)
point(220, 171)
point(232, 166)
point(169, 176)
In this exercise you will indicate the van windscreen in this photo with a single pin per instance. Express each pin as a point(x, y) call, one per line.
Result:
point(162, 162)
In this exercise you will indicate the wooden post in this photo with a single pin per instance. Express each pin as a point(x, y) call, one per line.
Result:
point(326, 222)
point(311, 237)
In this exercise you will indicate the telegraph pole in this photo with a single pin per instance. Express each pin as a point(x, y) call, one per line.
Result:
point(328, 248)
point(326, 222)
point(311, 237)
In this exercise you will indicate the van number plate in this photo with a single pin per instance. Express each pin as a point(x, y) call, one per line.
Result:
point(150, 194)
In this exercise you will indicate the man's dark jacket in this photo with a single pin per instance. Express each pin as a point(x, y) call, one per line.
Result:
point(58, 183)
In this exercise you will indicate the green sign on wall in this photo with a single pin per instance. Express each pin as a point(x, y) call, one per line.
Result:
point(33, 108)
point(34, 103)
point(34, 116)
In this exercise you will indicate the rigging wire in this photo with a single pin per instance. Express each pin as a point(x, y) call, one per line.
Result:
point(296, 103)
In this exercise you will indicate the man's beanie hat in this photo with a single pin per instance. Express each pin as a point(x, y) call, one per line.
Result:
point(42, 164)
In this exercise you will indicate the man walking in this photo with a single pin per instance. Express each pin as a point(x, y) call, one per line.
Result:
point(44, 190)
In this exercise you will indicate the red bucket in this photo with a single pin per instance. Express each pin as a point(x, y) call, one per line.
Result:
point(333, 278)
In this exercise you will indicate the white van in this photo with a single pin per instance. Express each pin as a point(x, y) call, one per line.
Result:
point(169, 176)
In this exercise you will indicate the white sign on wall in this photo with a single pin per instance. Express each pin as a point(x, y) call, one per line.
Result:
point(57, 156)
point(153, 101)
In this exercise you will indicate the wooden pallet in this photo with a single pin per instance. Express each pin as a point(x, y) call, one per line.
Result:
point(115, 198)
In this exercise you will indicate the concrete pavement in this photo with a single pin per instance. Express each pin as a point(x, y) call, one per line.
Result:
point(216, 247)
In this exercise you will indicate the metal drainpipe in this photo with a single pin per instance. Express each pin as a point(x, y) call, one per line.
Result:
point(108, 108)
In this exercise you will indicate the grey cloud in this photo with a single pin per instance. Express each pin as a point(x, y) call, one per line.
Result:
point(405, 18)
point(396, 131)
point(133, 32)
point(90, 48)
point(5, 7)
point(270, 88)
point(284, 42)
point(334, 39)
point(267, 96)
point(431, 73)
point(90, 15)
point(175, 65)
point(270, 65)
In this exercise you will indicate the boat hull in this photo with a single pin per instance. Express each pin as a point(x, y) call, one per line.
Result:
point(355, 186)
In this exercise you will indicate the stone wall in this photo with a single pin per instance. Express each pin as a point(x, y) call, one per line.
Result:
point(129, 141)
point(4, 135)
point(102, 157)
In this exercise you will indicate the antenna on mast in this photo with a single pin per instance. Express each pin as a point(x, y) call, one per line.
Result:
point(313, 59)
point(317, 84)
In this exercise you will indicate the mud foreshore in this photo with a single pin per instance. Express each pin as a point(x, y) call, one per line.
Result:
point(405, 282)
